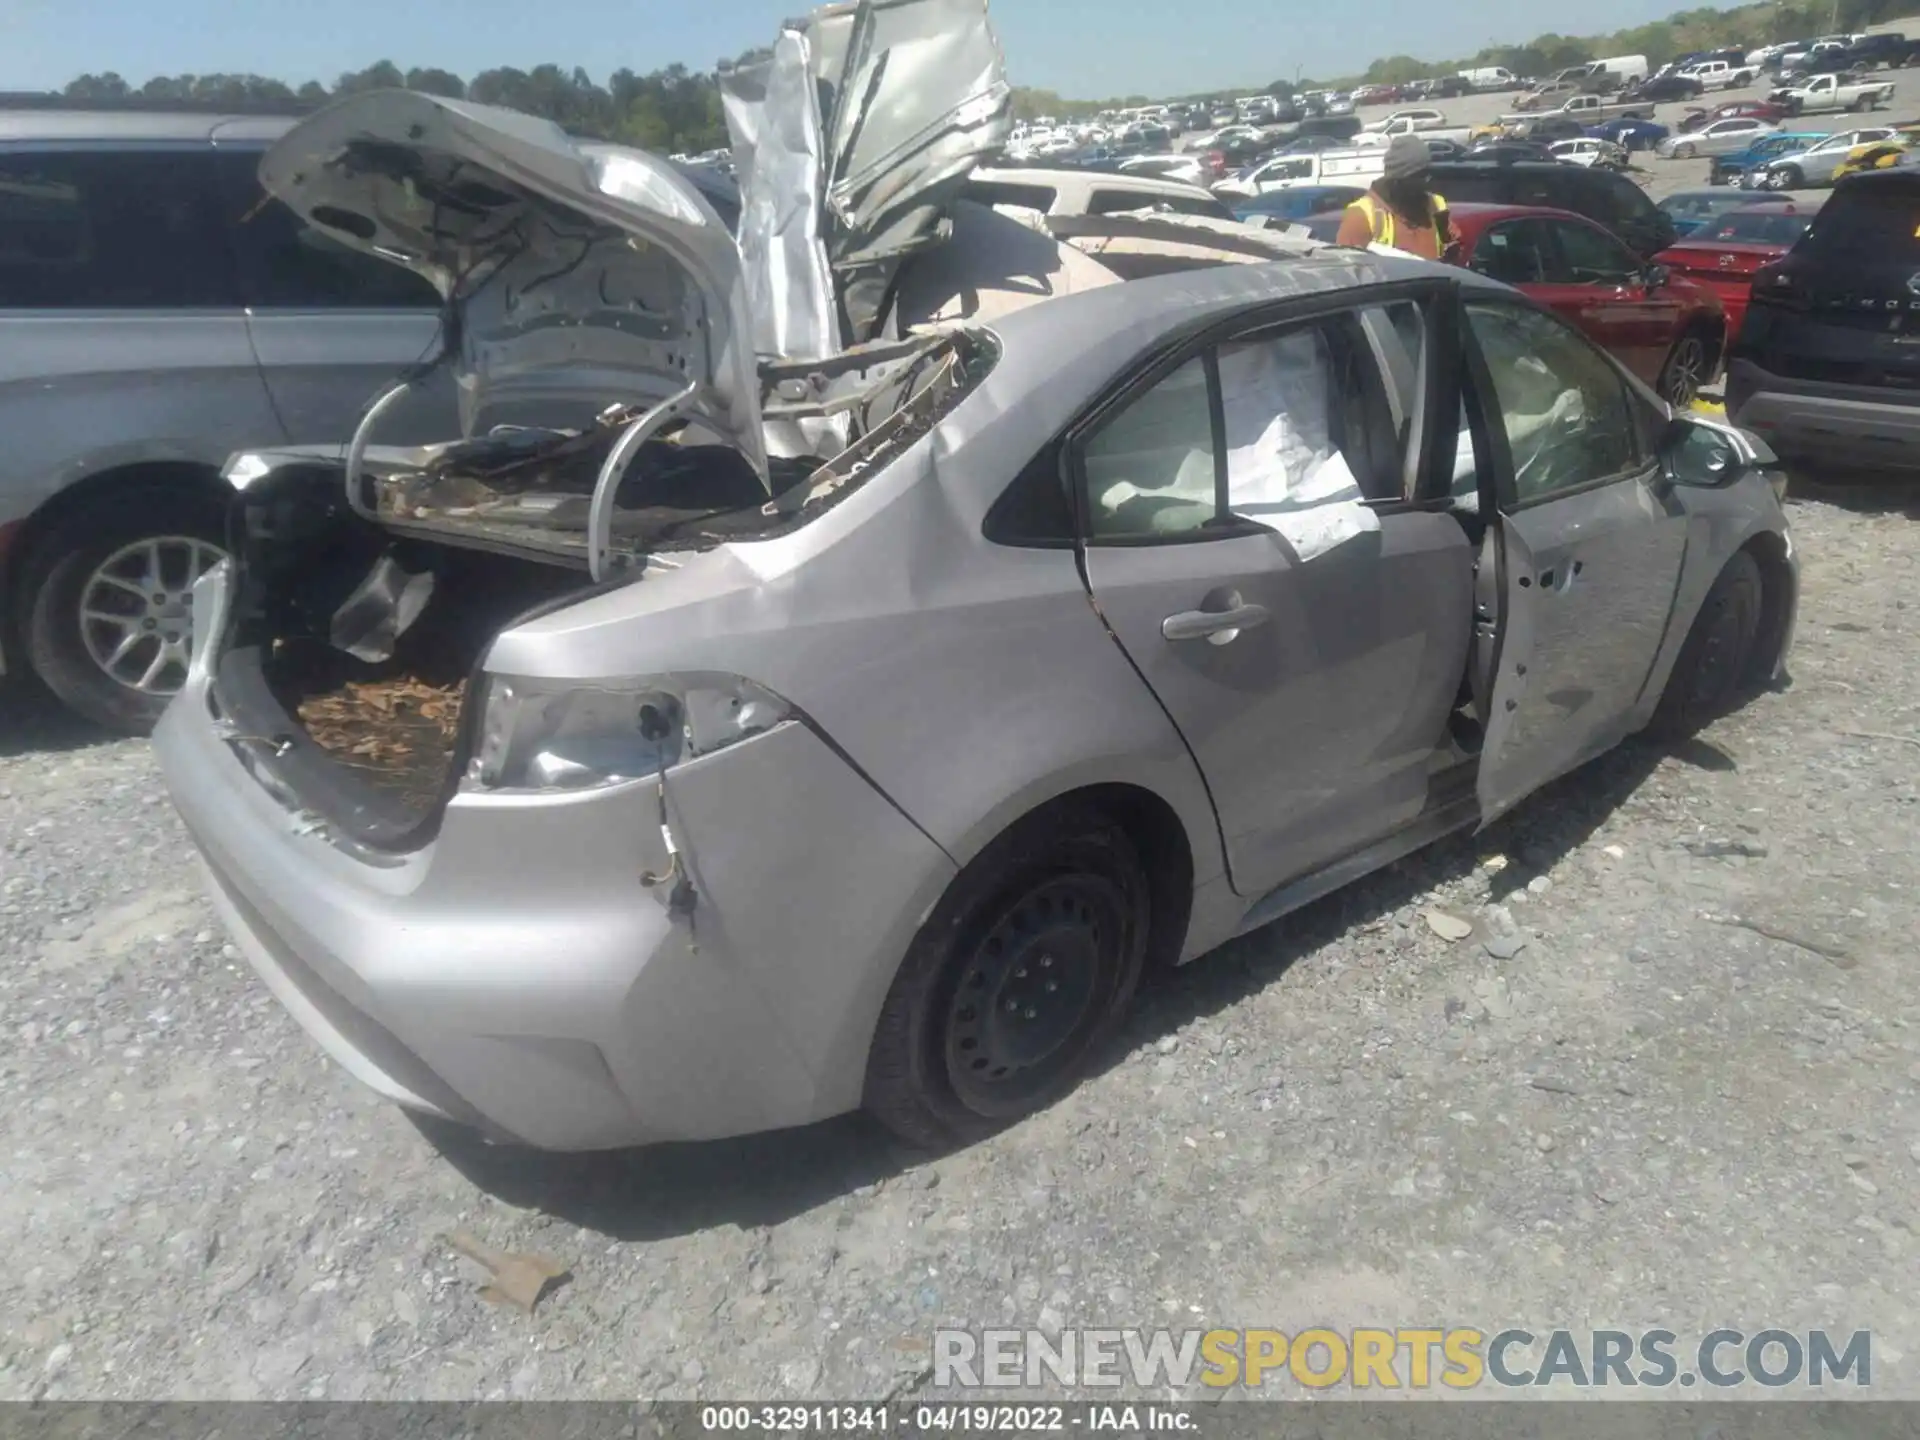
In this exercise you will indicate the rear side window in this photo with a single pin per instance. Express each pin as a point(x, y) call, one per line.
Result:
point(128, 230)
point(1623, 200)
point(1875, 224)
point(287, 264)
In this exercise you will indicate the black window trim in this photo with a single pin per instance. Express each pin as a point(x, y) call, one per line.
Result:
point(1505, 491)
point(1431, 294)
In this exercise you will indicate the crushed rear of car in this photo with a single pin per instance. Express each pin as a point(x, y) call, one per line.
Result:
point(467, 745)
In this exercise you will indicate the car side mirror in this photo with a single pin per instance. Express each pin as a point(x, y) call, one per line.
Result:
point(1705, 455)
point(1655, 277)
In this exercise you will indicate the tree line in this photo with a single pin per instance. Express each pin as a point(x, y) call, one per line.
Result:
point(671, 111)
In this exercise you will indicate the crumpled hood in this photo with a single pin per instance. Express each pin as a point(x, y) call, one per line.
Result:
point(578, 275)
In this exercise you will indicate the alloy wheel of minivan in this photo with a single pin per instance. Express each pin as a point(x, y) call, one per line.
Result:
point(1684, 372)
point(136, 610)
point(109, 598)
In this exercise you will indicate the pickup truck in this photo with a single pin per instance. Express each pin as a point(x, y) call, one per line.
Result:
point(1833, 92)
point(1587, 109)
point(1393, 125)
point(1405, 122)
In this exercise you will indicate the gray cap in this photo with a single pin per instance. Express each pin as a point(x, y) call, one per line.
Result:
point(1407, 156)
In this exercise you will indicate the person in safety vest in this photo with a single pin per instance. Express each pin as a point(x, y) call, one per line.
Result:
point(1401, 209)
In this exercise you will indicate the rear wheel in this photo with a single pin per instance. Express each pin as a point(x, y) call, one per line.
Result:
point(110, 606)
point(1024, 969)
point(1714, 661)
point(1685, 371)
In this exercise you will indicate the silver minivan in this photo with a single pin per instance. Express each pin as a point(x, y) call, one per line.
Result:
point(158, 310)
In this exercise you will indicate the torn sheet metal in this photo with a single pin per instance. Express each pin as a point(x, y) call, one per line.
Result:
point(773, 114)
point(380, 610)
point(922, 98)
point(908, 97)
point(577, 275)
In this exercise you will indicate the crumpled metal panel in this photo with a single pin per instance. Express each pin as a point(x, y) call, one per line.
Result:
point(908, 97)
point(920, 99)
point(773, 115)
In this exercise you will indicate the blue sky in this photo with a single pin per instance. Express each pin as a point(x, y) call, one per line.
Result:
point(1082, 48)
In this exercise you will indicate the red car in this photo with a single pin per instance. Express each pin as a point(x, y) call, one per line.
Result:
point(1665, 328)
point(1723, 254)
point(1733, 110)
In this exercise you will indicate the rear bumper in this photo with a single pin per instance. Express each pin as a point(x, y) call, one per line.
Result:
point(515, 975)
point(1847, 425)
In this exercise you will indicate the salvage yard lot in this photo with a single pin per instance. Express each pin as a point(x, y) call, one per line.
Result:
point(1672, 1078)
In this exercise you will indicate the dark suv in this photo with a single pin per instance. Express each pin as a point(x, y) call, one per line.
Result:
point(1611, 199)
point(1828, 364)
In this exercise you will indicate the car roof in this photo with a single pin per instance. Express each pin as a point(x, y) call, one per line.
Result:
point(1095, 325)
point(1043, 175)
point(139, 126)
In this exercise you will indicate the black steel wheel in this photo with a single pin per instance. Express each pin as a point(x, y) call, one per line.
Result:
point(1715, 660)
point(1022, 971)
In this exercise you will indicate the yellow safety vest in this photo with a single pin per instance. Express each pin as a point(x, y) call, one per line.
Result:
point(1381, 218)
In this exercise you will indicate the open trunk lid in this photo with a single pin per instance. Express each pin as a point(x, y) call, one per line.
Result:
point(577, 276)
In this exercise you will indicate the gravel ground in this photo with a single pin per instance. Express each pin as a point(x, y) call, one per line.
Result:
point(1672, 1078)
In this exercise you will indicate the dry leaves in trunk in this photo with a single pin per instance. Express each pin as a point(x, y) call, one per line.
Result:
point(518, 1280)
point(383, 721)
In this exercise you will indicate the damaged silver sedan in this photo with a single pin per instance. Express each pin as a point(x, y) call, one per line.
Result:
point(704, 743)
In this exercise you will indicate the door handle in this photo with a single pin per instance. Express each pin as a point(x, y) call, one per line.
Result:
point(1219, 626)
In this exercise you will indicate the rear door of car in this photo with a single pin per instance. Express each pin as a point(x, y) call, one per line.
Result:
point(1582, 561)
point(331, 327)
point(1246, 537)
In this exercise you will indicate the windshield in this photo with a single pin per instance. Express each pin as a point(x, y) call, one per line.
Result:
point(1765, 227)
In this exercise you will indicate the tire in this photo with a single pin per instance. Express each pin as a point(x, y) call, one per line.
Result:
point(1064, 884)
point(91, 560)
point(1711, 670)
point(1787, 177)
point(1684, 152)
point(1684, 371)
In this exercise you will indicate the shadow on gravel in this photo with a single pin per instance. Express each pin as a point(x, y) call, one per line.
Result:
point(32, 721)
point(1864, 492)
point(668, 1190)
point(1535, 836)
